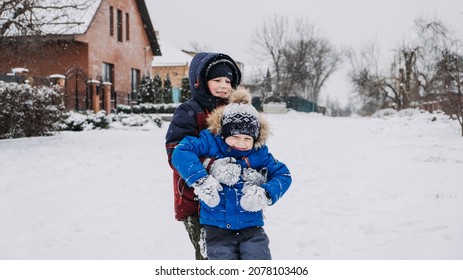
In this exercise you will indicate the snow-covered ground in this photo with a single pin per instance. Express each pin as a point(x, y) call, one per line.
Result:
point(363, 188)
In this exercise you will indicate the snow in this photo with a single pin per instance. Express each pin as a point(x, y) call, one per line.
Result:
point(225, 170)
point(171, 56)
point(386, 187)
point(57, 76)
point(207, 189)
point(73, 17)
point(19, 70)
point(254, 198)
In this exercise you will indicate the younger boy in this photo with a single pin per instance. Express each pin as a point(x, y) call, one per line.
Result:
point(232, 198)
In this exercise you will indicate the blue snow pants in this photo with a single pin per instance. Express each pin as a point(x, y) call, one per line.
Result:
point(245, 244)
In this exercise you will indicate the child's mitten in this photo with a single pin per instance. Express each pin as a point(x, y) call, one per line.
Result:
point(254, 198)
point(254, 177)
point(225, 170)
point(207, 189)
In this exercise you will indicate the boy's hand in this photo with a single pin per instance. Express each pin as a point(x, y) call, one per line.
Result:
point(254, 198)
point(207, 189)
point(225, 170)
point(254, 177)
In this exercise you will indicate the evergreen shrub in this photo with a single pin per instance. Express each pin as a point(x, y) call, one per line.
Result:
point(27, 111)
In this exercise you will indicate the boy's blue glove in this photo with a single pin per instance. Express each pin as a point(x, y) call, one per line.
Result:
point(207, 189)
point(254, 198)
point(225, 170)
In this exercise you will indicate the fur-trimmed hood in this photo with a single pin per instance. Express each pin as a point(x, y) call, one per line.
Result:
point(242, 96)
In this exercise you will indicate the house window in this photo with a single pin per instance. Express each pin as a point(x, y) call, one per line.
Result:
point(135, 81)
point(119, 25)
point(111, 21)
point(108, 73)
point(127, 36)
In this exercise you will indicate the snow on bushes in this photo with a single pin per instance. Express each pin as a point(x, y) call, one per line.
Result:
point(89, 120)
point(137, 119)
point(85, 121)
point(412, 114)
point(147, 108)
point(27, 111)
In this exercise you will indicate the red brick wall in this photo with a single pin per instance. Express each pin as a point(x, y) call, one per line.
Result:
point(42, 58)
point(176, 74)
point(125, 55)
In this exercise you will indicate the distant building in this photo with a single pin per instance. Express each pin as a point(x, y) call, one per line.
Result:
point(173, 63)
point(449, 103)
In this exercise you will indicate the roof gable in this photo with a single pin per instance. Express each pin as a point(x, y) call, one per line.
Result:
point(72, 17)
point(148, 27)
point(171, 56)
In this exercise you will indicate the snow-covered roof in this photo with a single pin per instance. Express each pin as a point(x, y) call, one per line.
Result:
point(63, 17)
point(82, 18)
point(71, 17)
point(171, 56)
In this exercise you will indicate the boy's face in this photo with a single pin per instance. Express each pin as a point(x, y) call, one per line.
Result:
point(220, 87)
point(240, 142)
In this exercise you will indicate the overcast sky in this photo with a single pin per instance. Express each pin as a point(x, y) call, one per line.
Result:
point(226, 26)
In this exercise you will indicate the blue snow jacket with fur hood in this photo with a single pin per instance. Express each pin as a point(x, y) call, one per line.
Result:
point(229, 214)
point(190, 118)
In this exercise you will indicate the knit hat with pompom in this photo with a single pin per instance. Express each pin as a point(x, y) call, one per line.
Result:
point(240, 117)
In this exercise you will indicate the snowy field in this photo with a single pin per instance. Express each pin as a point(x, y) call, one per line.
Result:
point(363, 188)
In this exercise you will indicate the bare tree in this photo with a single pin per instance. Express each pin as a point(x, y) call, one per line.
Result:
point(450, 76)
point(370, 82)
point(441, 66)
point(271, 39)
point(322, 63)
point(433, 37)
point(295, 63)
point(397, 88)
point(301, 60)
point(412, 71)
point(431, 67)
point(406, 77)
point(446, 81)
point(296, 58)
point(36, 17)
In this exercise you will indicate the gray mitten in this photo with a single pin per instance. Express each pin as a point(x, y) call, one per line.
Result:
point(207, 189)
point(225, 170)
point(254, 198)
point(254, 177)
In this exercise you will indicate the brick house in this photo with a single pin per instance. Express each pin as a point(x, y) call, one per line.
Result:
point(114, 43)
point(173, 63)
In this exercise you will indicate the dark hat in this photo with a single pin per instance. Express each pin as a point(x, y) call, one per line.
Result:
point(221, 69)
point(239, 118)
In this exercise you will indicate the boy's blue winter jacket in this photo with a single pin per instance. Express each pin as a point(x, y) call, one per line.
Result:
point(229, 214)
